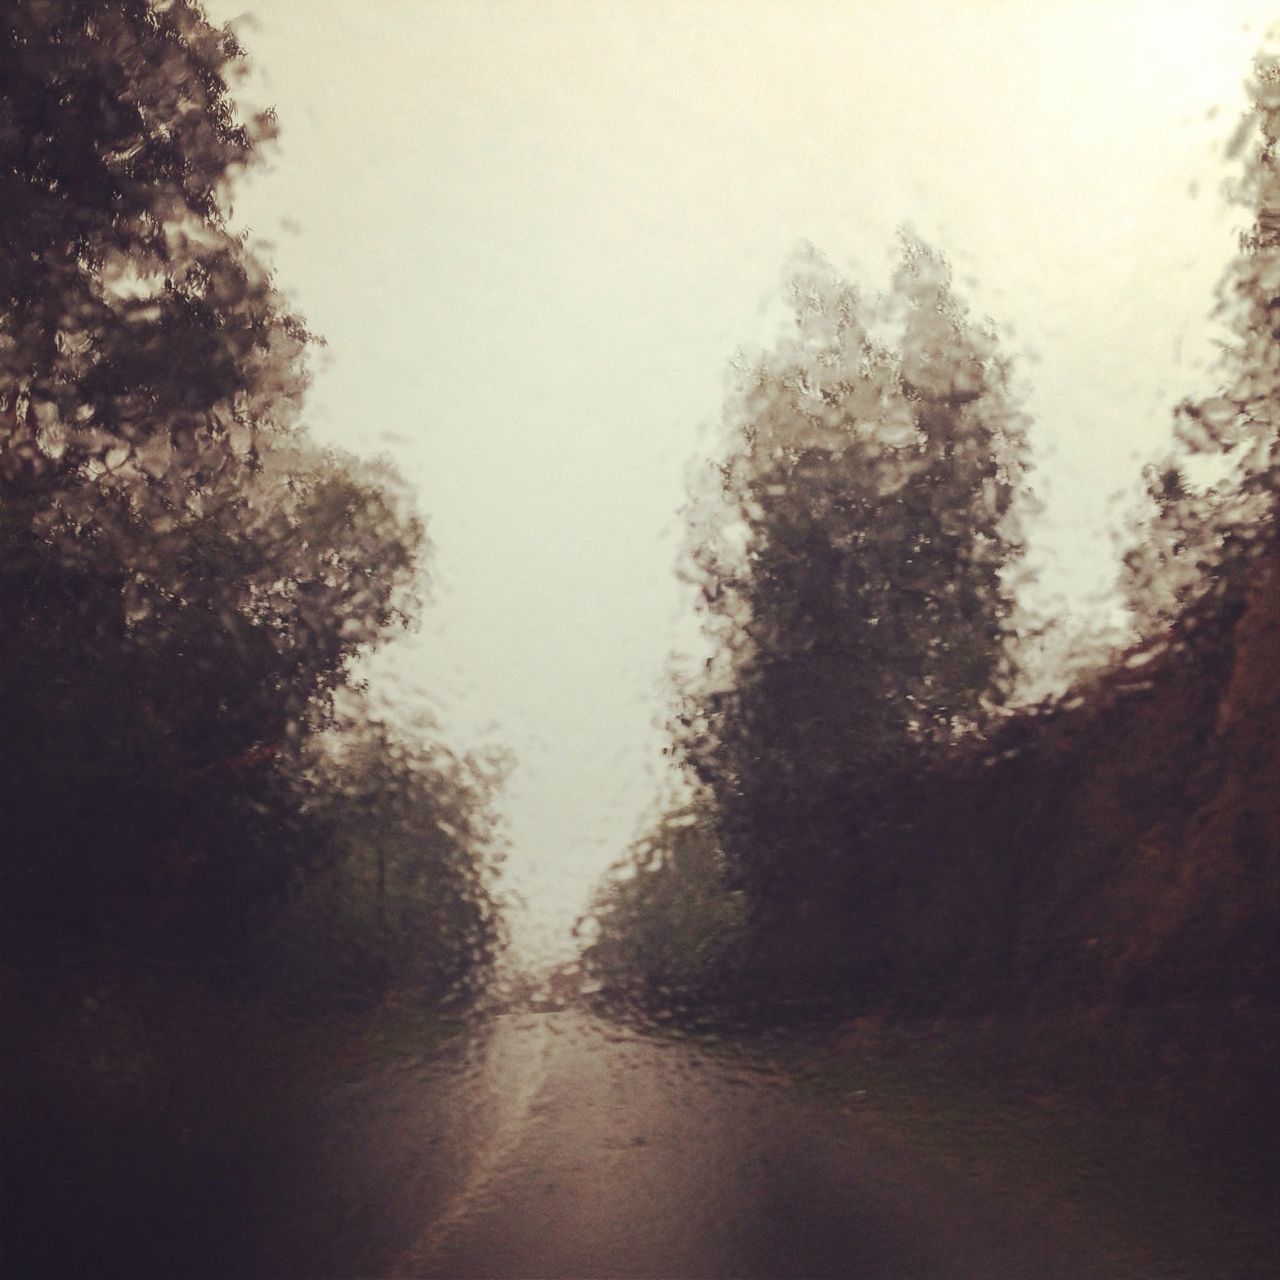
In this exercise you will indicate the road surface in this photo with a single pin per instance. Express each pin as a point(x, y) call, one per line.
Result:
point(558, 1145)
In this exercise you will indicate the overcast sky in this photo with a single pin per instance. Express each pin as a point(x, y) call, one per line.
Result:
point(535, 233)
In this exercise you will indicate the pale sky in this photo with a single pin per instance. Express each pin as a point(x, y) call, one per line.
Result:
point(535, 233)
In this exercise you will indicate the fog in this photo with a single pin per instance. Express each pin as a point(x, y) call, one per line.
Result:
point(535, 235)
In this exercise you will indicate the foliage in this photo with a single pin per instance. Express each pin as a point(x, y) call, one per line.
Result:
point(1192, 543)
point(186, 581)
point(854, 563)
point(136, 327)
point(1188, 542)
point(403, 899)
point(1245, 417)
point(664, 924)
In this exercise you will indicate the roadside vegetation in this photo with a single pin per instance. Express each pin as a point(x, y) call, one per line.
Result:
point(223, 872)
point(189, 771)
point(1081, 895)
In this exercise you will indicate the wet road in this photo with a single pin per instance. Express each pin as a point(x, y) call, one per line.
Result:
point(534, 1145)
point(559, 1146)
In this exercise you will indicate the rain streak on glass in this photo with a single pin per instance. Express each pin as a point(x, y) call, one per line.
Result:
point(721, 721)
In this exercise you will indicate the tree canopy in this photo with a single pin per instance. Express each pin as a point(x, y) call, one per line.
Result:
point(1196, 543)
point(186, 580)
point(853, 555)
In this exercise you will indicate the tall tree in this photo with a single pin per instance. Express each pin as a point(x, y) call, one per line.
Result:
point(853, 561)
point(185, 580)
point(1192, 543)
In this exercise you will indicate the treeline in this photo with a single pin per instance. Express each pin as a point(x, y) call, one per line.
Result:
point(188, 768)
point(867, 819)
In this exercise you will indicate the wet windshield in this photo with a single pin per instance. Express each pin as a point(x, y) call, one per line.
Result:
point(639, 640)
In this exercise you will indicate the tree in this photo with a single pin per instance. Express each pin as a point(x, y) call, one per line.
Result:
point(186, 581)
point(854, 562)
point(402, 898)
point(1195, 545)
point(135, 325)
point(1188, 543)
point(664, 926)
point(1245, 418)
